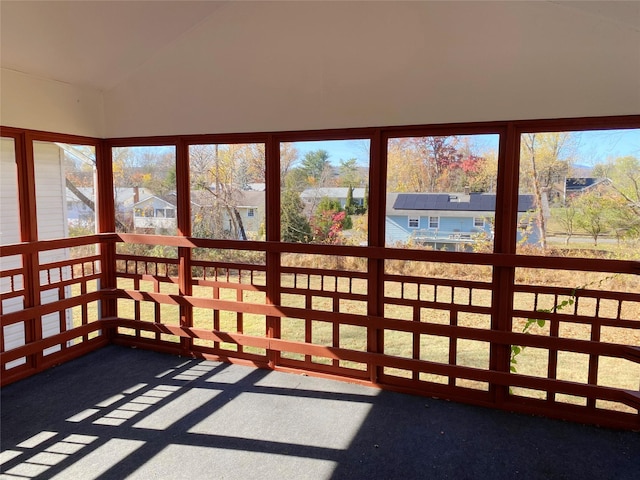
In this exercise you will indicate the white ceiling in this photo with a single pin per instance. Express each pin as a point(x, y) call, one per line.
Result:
point(92, 43)
point(99, 44)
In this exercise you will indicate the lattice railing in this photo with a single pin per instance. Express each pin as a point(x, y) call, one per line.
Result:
point(431, 323)
point(50, 304)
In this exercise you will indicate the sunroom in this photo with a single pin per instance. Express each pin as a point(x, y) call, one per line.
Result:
point(155, 155)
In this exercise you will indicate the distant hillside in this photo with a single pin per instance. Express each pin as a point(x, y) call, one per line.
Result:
point(581, 171)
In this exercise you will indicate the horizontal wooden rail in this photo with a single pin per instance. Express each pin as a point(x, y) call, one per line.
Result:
point(315, 309)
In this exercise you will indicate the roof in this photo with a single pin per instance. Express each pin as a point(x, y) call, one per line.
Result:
point(580, 184)
point(242, 198)
point(331, 192)
point(474, 202)
point(152, 197)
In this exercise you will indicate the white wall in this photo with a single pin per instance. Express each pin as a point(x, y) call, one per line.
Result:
point(41, 104)
point(268, 66)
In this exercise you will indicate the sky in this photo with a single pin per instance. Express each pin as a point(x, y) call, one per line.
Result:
point(593, 146)
point(600, 145)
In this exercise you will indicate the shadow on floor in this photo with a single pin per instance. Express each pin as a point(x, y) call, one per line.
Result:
point(124, 413)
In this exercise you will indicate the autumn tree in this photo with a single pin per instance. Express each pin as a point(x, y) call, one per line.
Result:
point(595, 210)
point(624, 174)
point(567, 217)
point(255, 156)
point(328, 221)
point(545, 161)
point(437, 164)
point(222, 171)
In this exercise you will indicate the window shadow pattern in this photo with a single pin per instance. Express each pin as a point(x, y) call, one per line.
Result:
point(125, 413)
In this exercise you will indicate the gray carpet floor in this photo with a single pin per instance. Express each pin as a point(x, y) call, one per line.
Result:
point(123, 413)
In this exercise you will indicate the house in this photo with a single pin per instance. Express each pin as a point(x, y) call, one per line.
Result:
point(80, 209)
point(573, 186)
point(249, 206)
point(154, 215)
point(450, 221)
point(312, 196)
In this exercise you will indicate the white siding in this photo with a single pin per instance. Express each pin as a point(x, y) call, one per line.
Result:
point(52, 223)
point(9, 213)
point(10, 233)
point(51, 218)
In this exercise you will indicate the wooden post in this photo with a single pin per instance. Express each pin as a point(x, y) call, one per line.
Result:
point(29, 233)
point(504, 242)
point(273, 260)
point(375, 266)
point(183, 218)
point(106, 224)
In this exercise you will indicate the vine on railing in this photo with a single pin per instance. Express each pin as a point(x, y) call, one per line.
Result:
point(540, 323)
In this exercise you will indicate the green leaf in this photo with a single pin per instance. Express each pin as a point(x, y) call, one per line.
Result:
point(541, 323)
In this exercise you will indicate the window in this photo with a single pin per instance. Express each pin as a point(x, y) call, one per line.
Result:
point(478, 222)
point(414, 222)
point(433, 175)
point(139, 174)
point(322, 185)
point(225, 178)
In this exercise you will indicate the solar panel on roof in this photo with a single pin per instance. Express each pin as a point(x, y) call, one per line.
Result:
point(485, 202)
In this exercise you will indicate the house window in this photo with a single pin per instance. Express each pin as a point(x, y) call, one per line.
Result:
point(478, 222)
point(251, 212)
point(434, 222)
point(170, 213)
point(414, 222)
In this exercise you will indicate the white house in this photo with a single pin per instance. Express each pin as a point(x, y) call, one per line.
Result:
point(312, 196)
point(154, 213)
point(52, 223)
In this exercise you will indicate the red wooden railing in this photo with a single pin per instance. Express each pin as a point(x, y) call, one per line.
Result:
point(403, 325)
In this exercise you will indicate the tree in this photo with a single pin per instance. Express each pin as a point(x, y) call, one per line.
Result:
point(624, 219)
point(544, 161)
point(567, 216)
point(365, 200)
point(481, 174)
point(349, 206)
point(218, 171)
point(316, 167)
point(437, 164)
point(328, 221)
point(594, 213)
point(624, 173)
point(294, 225)
point(349, 173)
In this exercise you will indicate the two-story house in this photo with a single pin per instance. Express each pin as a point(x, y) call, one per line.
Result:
point(451, 221)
